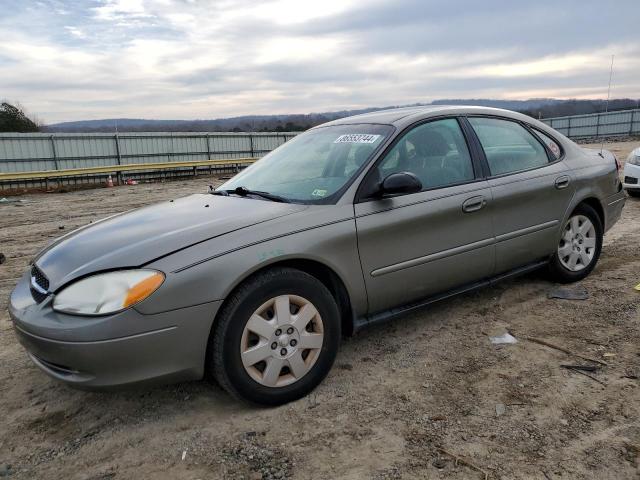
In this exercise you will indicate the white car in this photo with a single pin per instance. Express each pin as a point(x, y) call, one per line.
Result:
point(632, 173)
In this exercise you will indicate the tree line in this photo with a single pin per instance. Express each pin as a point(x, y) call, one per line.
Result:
point(14, 119)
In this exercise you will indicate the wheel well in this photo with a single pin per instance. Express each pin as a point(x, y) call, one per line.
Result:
point(334, 284)
point(329, 279)
point(597, 206)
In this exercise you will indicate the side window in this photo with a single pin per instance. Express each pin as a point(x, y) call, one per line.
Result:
point(551, 143)
point(436, 152)
point(508, 146)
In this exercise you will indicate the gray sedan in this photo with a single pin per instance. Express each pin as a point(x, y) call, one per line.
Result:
point(349, 224)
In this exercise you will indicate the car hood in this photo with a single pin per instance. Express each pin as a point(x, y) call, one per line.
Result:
point(137, 237)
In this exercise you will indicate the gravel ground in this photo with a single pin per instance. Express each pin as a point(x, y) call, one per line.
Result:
point(401, 400)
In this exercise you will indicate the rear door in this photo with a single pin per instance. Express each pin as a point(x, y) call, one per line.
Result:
point(416, 245)
point(531, 189)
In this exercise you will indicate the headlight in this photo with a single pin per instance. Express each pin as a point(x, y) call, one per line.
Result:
point(633, 159)
point(108, 292)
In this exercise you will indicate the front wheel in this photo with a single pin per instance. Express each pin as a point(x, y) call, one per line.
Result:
point(579, 247)
point(276, 337)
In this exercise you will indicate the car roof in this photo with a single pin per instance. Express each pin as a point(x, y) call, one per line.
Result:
point(401, 117)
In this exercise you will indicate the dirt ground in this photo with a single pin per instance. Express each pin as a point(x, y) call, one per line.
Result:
point(399, 396)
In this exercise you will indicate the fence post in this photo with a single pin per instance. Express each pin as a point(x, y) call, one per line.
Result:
point(208, 150)
point(251, 144)
point(53, 150)
point(598, 126)
point(118, 158)
point(633, 114)
point(569, 128)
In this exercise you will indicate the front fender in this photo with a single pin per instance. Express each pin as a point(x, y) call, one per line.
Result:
point(210, 271)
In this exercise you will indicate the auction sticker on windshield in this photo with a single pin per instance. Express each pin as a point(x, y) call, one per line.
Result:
point(357, 138)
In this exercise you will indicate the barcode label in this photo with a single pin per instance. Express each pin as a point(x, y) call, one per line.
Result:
point(357, 138)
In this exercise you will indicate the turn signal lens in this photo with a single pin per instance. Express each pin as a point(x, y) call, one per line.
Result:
point(143, 289)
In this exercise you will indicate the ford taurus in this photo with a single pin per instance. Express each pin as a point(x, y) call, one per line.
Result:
point(350, 223)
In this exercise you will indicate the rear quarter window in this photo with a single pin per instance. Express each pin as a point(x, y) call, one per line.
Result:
point(554, 147)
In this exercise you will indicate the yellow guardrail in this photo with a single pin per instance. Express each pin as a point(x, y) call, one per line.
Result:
point(73, 172)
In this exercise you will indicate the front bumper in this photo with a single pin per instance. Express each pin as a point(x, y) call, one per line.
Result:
point(631, 177)
point(117, 350)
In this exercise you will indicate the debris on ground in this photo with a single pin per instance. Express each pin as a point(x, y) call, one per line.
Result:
point(584, 368)
point(3, 258)
point(12, 200)
point(457, 459)
point(506, 338)
point(565, 293)
point(564, 350)
point(582, 372)
point(5, 470)
point(501, 409)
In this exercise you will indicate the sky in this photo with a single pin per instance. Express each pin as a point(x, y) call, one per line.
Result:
point(69, 60)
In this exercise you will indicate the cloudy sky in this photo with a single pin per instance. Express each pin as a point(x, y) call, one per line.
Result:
point(185, 59)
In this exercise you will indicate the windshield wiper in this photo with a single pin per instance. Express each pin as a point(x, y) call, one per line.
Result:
point(244, 191)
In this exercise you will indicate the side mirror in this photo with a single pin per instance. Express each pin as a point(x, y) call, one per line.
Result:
point(400, 183)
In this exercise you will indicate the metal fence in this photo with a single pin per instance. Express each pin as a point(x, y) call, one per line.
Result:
point(608, 124)
point(36, 160)
point(30, 152)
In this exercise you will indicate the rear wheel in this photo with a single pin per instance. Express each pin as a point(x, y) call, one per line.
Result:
point(276, 337)
point(634, 193)
point(579, 247)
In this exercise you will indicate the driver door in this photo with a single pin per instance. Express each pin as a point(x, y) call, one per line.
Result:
point(417, 245)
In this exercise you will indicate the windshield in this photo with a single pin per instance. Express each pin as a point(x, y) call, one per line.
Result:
point(315, 165)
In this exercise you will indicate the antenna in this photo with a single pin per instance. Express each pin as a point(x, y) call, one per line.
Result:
point(606, 105)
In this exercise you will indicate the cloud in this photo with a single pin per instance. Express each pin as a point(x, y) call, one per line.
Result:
point(73, 59)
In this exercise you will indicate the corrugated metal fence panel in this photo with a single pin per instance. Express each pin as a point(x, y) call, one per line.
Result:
point(17, 151)
point(84, 151)
point(597, 124)
point(28, 152)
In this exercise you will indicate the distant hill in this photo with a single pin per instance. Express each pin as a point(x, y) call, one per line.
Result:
point(535, 107)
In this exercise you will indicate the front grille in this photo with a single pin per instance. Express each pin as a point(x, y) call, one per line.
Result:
point(39, 279)
point(631, 180)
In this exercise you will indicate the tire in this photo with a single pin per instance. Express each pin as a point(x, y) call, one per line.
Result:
point(560, 264)
point(634, 193)
point(234, 341)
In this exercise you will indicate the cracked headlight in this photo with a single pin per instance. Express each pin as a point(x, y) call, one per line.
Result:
point(106, 293)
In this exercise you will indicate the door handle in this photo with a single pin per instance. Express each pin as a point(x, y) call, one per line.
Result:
point(562, 182)
point(474, 204)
